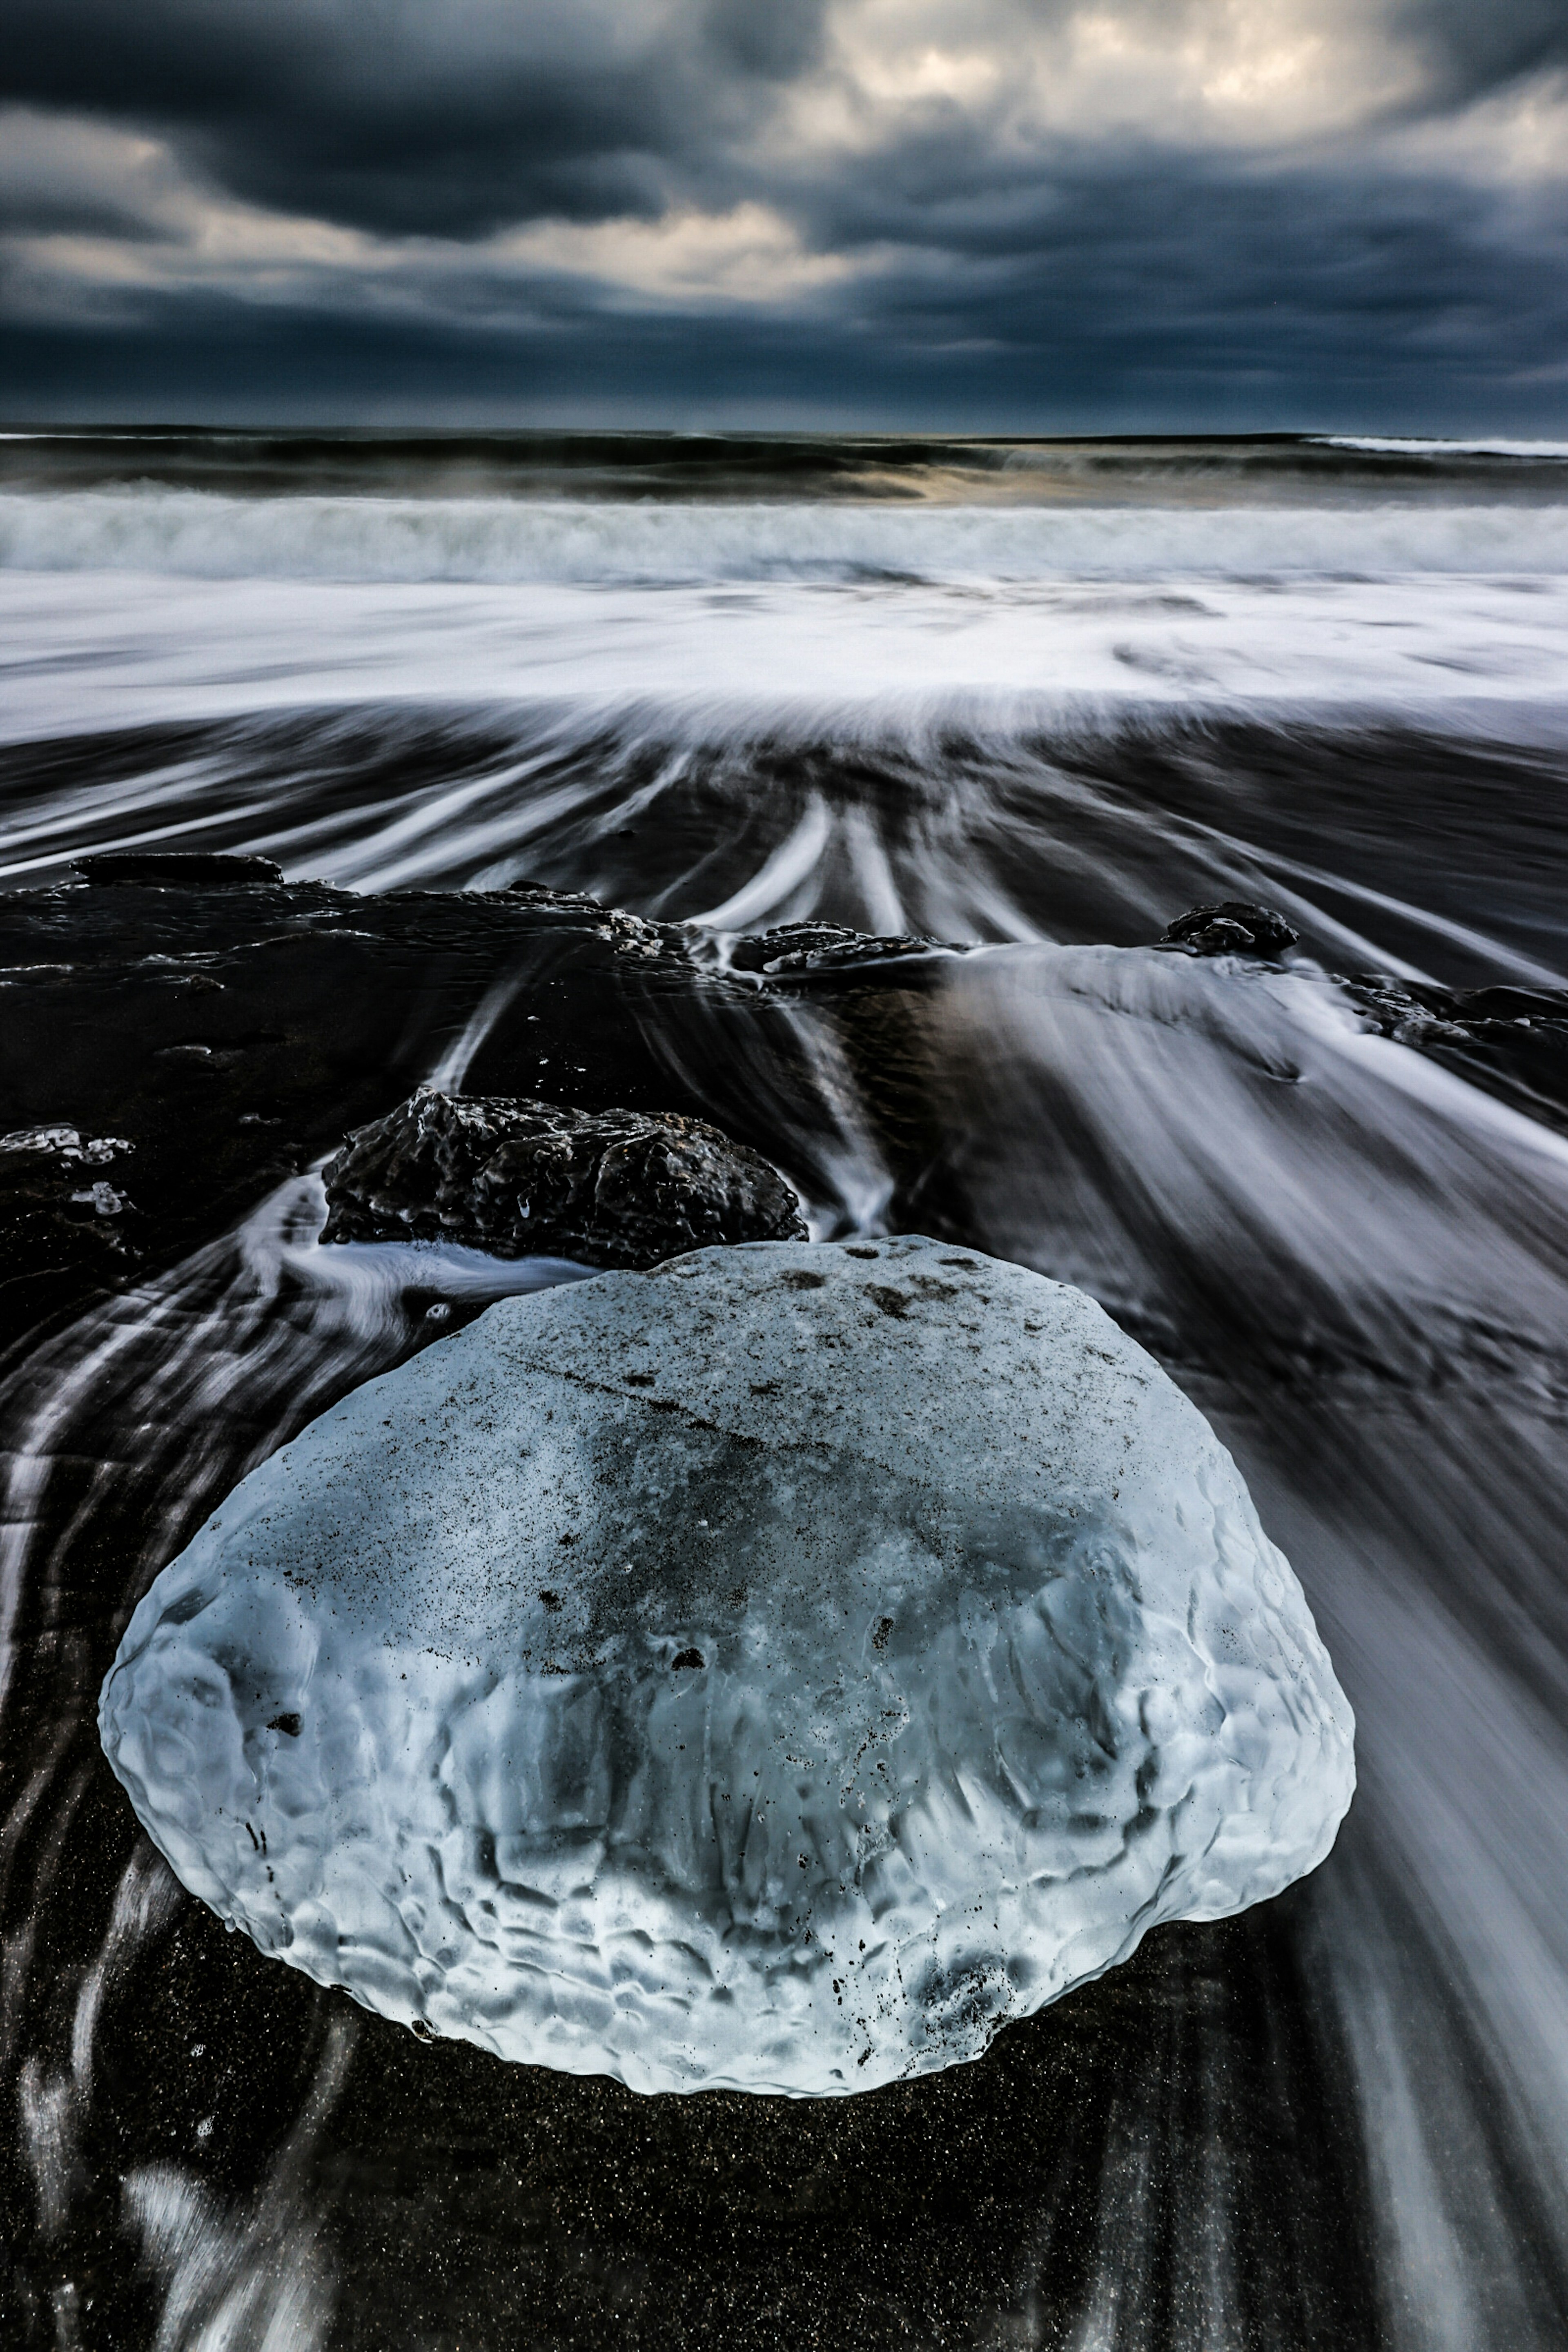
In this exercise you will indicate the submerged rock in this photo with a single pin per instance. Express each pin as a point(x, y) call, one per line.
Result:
point(49, 1208)
point(1511, 1040)
point(1231, 927)
point(627, 934)
point(235, 1028)
point(526, 1179)
point(57, 1141)
point(774, 1673)
point(796, 949)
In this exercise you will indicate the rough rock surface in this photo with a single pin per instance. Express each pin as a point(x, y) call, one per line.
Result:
point(796, 949)
point(181, 869)
point(773, 1673)
point(1511, 1040)
point(55, 1202)
point(233, 1027)
point(230, 1028)
point(627, 934)
point(528, 1179)
point(1231, 927)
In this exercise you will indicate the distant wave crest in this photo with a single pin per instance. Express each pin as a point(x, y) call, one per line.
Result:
point(1393, 444)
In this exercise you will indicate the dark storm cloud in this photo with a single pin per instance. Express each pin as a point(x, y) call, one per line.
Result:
point(453, 120)
point(936, 251)
point(1477, 48)
point(446, 121)
point(1207, 305)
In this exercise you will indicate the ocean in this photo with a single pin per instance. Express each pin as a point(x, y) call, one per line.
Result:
point(1029, 701)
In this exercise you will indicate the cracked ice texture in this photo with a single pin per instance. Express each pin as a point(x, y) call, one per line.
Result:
point(774, 1672)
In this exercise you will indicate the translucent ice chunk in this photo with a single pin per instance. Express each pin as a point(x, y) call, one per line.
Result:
point(776, 1671)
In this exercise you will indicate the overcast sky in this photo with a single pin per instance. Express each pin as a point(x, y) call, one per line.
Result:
point(984, 215)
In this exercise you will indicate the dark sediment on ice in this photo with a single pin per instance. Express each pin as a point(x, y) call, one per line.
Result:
point(536, 1178)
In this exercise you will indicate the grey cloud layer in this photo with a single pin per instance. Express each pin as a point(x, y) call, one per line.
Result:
point(1271, 212)
point(449, 120)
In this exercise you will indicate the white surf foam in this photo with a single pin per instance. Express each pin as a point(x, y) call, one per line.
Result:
point(1396, 445)
point(105, 649)
point(505, 542)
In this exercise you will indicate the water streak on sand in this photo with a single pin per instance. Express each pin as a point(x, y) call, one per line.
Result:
point(1038, 698)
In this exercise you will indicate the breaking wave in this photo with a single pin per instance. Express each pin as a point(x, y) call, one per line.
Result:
point(499, 541)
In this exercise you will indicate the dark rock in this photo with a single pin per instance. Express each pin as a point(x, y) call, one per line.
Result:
point(1231, 927)
point(523, 1178)
point(798, 948)
point(627, 934)
point(1512, 1042)
point(319, 1008)
point(181, 869)
point(56, 1209)
point(34, 1147)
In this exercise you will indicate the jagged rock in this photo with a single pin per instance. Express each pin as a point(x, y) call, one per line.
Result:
point(795, 948)
point(181, 869)
point(1415, 1010)
point(1231, 927)
point(48, 1207)
point(61, 1143)
point(1513, 1042)
point(234, 1033)
point(627, 934)
point(525, 1179)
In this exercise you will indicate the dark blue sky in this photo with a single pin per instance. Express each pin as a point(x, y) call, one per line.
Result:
point(992, 215)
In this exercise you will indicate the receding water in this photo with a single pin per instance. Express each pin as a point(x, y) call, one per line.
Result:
point(1034, 699)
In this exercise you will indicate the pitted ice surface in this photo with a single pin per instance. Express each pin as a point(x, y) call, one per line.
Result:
point(775, 1671)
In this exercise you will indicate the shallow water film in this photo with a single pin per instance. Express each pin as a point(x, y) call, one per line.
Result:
point(1011, 709)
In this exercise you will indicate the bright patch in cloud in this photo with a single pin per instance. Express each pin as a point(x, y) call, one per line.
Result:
point(750, 253)
point(176, 236)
